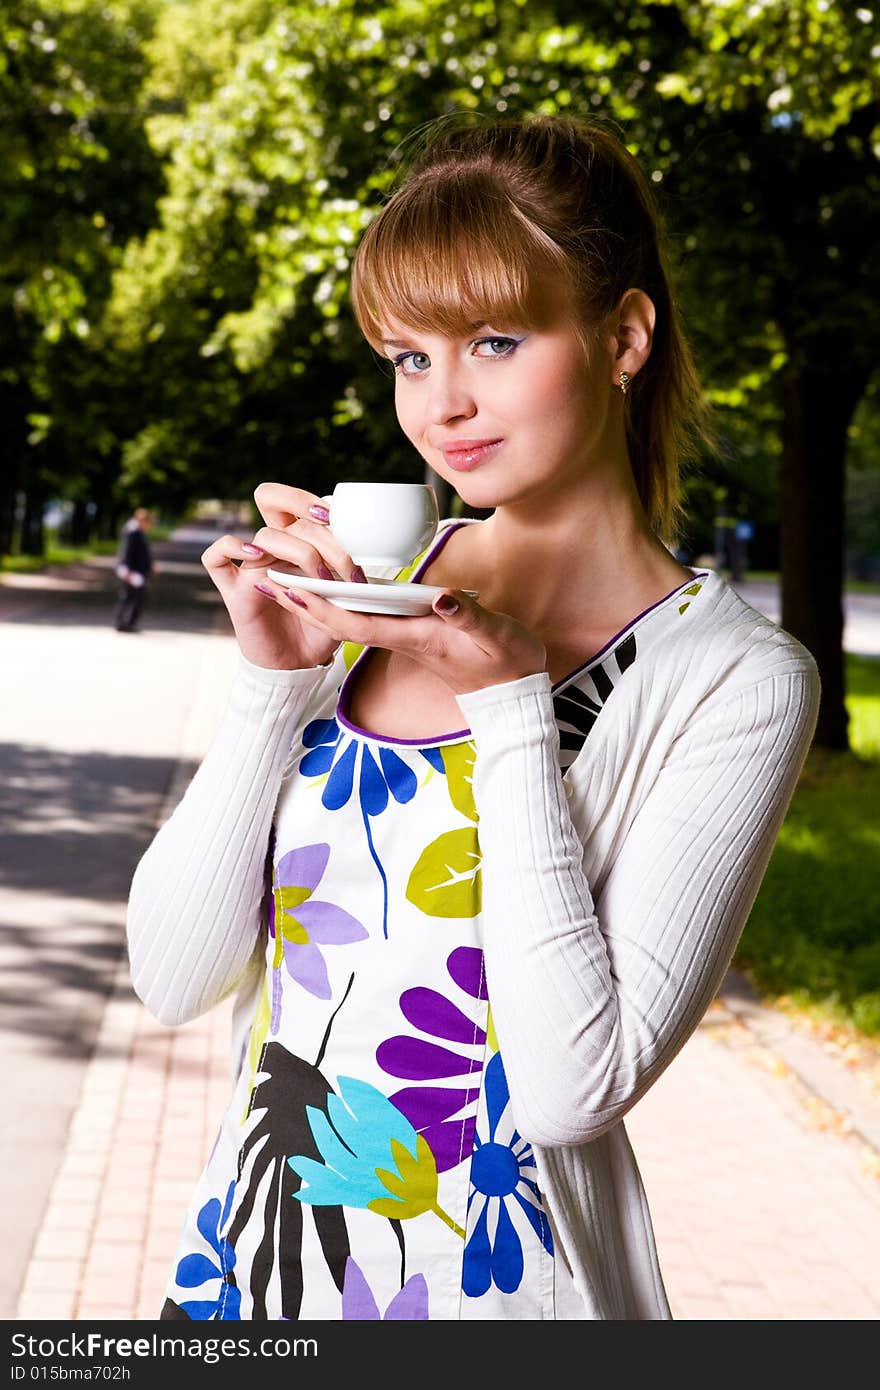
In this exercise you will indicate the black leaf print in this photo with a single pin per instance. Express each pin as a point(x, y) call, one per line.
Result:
point(289, 1085)
point(576, 711)
point(625, 654)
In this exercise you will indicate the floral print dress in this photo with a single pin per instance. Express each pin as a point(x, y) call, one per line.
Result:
point(369, 1166)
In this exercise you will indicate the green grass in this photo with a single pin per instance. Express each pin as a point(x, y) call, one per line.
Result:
point(56, 555)
point(67, 554)
point(813, 938)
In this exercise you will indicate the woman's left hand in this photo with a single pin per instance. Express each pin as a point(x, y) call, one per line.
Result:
point(469, 647)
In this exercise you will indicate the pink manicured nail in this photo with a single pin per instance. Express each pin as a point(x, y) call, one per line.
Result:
point(324, 572)
point(252, 549)
point(295, 598)
point(264, 589)
point(358, 576)
point(318, 512)
point(446, 604)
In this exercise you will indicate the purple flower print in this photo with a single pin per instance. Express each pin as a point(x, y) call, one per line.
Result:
point(301, 925)
point(410, 1304)
point(435, 1111)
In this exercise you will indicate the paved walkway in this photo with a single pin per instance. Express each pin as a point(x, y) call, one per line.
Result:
point(759, 1146)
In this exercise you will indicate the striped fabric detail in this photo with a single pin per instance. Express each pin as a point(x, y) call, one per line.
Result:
point(578, 703)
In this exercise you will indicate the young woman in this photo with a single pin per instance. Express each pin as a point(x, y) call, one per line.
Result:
point(475, 876)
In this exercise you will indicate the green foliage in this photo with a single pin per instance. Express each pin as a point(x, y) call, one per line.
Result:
point(79, 179)
point(177, 241)
point(812, 934)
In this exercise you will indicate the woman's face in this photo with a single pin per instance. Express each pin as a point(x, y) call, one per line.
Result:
point(505, 415)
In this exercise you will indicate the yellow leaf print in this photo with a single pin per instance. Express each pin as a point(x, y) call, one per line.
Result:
point(287, 928)
point(350, 653)
point(446, 880)
point(458, 762)
point(414, 1185)
point(491, 1035)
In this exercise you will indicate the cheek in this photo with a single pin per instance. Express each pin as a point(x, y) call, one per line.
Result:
point(557, 397)
point(407, 412)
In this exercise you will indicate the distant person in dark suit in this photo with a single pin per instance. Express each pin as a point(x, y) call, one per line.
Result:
point(134, 567)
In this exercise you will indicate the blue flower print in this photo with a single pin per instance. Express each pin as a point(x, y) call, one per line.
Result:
point(195, 1270)
point(347, 761)
point(501, 1172)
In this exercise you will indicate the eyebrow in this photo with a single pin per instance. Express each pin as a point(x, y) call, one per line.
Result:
point(471, 328)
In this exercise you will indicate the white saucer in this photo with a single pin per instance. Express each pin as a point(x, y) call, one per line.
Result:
point(387, 596)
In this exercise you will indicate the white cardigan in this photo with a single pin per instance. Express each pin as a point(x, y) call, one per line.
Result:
point(613, 895)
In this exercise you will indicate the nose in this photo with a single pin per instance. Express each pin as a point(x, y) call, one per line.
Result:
point(451, 395)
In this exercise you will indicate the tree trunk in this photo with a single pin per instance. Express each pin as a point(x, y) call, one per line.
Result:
point(818, 408)
point(80, 523)
point(33, 533)
point(107, 517)
point(8, 503)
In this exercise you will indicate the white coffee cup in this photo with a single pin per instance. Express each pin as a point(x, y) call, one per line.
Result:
point(383, 523)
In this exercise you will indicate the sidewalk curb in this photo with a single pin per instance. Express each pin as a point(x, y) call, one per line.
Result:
point(825, 1077)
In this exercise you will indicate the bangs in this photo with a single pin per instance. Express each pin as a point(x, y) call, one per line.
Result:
point(450, 253)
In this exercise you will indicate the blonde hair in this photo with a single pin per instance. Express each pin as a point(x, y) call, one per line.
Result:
point(487, 213)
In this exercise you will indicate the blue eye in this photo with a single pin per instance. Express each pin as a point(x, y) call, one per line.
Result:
point(497, 347)
point(412, 363)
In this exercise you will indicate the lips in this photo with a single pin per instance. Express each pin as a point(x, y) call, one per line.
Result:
point(464, 454)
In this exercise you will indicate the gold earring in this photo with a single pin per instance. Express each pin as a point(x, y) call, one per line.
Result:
point(624, 382)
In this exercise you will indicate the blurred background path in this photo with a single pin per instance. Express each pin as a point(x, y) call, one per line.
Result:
point(93, 732)
point(759, 1148)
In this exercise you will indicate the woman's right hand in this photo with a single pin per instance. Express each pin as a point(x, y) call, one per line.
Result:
point(268, 634)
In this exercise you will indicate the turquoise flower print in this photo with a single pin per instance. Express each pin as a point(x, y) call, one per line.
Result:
point(372, 1157)
point(301, 925)
point(348, 762)
point(409, 1304)
point(445, 1115)
point(195, 1270)
point(502, 1175)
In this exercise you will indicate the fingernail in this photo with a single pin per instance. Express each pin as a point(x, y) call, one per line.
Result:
point(252, 549)
point(446, 604)
point(295, 598)
point(358, 576)
point(318, 512)
point(264, 589)
point(324, 572)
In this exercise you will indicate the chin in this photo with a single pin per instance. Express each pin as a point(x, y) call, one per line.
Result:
point(486, 494)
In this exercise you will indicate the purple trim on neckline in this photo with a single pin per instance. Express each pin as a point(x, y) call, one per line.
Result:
point(343, 701)
point(612, 641)
point(459, 734)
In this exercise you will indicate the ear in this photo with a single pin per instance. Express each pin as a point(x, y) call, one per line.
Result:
point(632, 329)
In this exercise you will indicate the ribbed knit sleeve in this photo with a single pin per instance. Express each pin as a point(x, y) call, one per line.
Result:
point(193, 918)
point(592, 999)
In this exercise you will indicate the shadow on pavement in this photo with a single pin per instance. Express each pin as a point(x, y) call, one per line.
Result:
point(75, 823)
point(49, 992)
point(73, 828)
